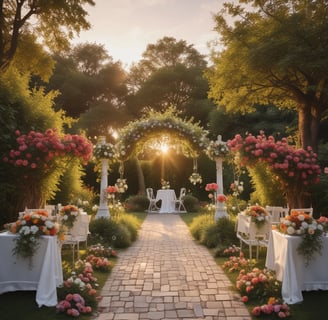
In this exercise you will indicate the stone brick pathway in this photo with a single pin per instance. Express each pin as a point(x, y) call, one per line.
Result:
point(166, 275)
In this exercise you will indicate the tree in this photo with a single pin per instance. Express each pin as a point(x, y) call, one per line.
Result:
point(274, 53)
point(54, 21)
point(169, 74)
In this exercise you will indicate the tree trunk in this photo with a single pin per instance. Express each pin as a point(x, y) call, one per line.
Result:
point(308, 124)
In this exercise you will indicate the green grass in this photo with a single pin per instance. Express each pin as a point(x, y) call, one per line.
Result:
point(22, 305)
point(312, 307)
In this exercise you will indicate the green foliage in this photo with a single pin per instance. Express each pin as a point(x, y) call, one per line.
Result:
point(132, 224)
point(55, 22)
point(136, 203)
point(267, 188)
point(222, 233)
point(280, 46)
point(111, 232)
point(25, 110)
point(191, 203)
point(199, 225)
point(132, 138)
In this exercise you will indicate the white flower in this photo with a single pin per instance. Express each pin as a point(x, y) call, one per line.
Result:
point(34, 229)
point(25, 230)
point(49, 224)
point(304, 224)
point(320, 227)
point(301, 217)
point(290, 230)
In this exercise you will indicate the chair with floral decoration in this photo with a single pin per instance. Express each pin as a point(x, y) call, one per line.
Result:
point(251, 234)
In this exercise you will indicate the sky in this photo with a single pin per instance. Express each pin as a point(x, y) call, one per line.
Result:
point(126, 27)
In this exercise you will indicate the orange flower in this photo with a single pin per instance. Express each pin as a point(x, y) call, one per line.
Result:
point(27, 217)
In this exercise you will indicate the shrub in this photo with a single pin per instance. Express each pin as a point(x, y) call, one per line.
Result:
point(222, 233)
point(191, 203)
point(121, 237)
point(137, 203)
point(102, 231)
point(132, 224)
point(200, 224)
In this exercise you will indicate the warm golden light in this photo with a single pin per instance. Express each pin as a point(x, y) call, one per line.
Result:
point(164, 147)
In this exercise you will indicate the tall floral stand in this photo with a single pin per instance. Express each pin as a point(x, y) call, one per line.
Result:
point(103, 211)
point(220, 209)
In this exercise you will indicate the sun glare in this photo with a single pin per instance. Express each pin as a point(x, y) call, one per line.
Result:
point(164, 147)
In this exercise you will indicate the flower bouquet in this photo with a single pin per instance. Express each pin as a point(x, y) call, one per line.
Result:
point(195, 178)
point(121, 185)
point(104, 151)
point(257, 213)
point(29, 227)
point(68, 215)
point(165, 184)
point(303, 224)
point(217, 150)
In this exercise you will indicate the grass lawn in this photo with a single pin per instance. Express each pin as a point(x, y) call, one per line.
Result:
point(312, 307)
point(22, 305)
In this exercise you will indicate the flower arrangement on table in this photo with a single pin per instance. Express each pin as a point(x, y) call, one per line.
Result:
point(195, 178)
point(29, 227)
point(216, 150)
point(302, 224)
point(257, 213)
point(68, 215)
point(165, 184)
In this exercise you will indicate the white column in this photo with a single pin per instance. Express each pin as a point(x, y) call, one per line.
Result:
point(103, 210)
point(220, 209)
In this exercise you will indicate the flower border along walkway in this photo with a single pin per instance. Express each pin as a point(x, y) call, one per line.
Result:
point(165, 274)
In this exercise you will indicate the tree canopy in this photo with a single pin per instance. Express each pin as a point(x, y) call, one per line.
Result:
point(54, 21)
point(274, 53)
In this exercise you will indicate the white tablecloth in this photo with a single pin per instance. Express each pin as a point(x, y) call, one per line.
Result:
point(290, 268)
point(44, 275)
point(168, 198)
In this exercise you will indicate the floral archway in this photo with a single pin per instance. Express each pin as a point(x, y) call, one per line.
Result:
point(190, 138)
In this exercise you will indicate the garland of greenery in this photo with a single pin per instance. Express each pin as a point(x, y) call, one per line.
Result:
point(191, 136)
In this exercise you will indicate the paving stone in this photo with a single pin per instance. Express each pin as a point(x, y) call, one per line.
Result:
point(165, 274)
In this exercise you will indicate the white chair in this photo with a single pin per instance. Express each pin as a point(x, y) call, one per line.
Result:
point(179, 206)
point(252, 235)
point(152, 200)
point(276, 213)
point(77, 234)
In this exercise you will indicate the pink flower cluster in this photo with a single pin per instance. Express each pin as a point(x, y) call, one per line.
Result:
point(73, 305)
point(211, 187)
point(221, 198)
point(99, 250)
point(99, 263)
point(257, 283)
point(236, 263)
point(111, 189)
point(273, 306)
point(39, 150)
point(288, 163)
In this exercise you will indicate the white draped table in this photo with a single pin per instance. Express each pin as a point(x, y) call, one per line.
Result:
point(290, 267)
point(168, 198)
point(44, 275)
